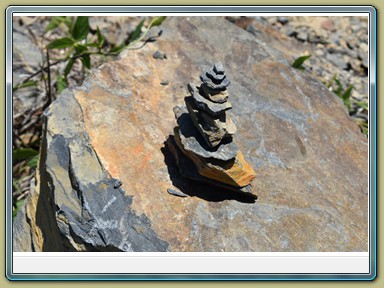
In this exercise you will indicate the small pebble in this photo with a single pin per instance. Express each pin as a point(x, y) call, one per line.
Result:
point(164, 82)
point(159, 55)
point(303, 36)
point(283, 20)
point(176, 192)
point(319, 52)
point(117, 184)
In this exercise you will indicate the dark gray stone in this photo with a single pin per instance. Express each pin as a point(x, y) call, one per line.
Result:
point(218, 68)
point(205, 79)
point(216, 78)
point(215, 109)
point(213, 131)
point(192, 140)
point(159, 55)
point(117, 184)
point(283, 20)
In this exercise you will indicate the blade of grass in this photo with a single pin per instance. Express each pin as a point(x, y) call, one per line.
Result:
point(24, 85)
point(298, 63)
point(23, 154)
point(136, 33)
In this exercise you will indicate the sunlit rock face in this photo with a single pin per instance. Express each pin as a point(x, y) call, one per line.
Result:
point(106, 162)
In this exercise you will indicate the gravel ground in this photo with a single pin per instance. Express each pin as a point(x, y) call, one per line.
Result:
point(338, 47)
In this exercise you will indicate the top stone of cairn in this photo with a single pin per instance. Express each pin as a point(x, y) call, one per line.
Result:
point(215, 78)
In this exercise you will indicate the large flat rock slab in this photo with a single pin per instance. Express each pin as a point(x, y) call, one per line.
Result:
point(310, 158)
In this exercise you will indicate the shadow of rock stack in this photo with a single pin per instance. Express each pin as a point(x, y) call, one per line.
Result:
point(205, 150)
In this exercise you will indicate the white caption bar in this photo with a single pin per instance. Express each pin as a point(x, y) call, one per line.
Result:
point(171, 262)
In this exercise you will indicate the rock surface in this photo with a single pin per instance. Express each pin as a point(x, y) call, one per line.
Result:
point(338, 46)
point(310, 158)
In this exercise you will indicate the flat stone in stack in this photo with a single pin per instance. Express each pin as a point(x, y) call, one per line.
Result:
point(204, 134)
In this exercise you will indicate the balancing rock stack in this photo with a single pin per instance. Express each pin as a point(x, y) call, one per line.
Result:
point(204, 135)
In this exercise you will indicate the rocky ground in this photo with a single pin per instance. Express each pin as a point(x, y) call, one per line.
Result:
point(338, 45)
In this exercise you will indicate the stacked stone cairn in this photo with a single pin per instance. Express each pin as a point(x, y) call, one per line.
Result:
point(204, 135)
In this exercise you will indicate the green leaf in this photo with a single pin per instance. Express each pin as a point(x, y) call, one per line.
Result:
point(363, 125)
point(298, 63)
point(347, 104)
point(86, 60)
point(339, 87)
point(55, 21)
point(60, 43)
point(81, 28)
point(68, 67)
point(21, 154)
point(80, 49)
point(61, 83)
point(362, 104)
point(33, 162)
point(137, 32)
point(118, 48)
point(347, 92)
point(157, 21)
point(69, 22)
point(100, 38)
point(23, 85)
point(96, 45)
point(17, 207)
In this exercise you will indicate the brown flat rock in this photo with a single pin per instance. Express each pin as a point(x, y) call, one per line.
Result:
point(187, 169)
point(237, 173)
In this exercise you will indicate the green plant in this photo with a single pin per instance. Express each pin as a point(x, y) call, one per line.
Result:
point(16, 207)
point(298, 63)
point(136, 36)
point(345, 95)
point(363, 125)
point(337, 87)
point(78, 43)
point(21, 154)
point(29, 83)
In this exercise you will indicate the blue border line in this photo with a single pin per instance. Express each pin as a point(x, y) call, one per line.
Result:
point(374, 142)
